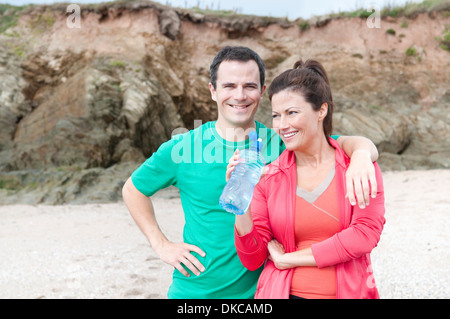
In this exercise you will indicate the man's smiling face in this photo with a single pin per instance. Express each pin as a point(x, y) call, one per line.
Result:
point(237, 93)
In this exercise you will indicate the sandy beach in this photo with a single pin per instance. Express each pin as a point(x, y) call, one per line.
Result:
point(97, 251)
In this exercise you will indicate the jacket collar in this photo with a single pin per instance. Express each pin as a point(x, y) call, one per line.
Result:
point(287, 158)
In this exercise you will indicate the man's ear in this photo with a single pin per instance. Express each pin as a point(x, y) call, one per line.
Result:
point(213, 91)
point(263, 89)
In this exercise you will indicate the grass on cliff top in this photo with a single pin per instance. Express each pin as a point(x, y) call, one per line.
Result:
point(9, 15)
point(409, 9)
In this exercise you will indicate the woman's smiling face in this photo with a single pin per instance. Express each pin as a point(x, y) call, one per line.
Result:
point(295, 120)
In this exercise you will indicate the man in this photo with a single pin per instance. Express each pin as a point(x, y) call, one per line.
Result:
point(206, 264)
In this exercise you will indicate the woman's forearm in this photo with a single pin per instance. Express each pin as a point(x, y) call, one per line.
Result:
point(299, 258)
point(283, 260)
point(244, 223)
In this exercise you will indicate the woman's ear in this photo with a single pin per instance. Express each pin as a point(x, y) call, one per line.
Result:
point(323, 111)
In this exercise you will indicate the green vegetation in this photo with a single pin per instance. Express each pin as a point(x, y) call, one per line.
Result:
point(407, 10)
point(19, 51)
point(9, 15)
point(411, 51)
point(42, 22)
point(444, 40)
point(376, 107)
point(304, 25)
point(117, 87)
point(8, 22)
point(220, 13)
point(390, 31)
point(447, 36)
point(360, 13)
point(118, 64)
point(9, 183)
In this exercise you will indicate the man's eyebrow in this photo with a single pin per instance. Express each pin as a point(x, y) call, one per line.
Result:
point(247, 83)
point(228, 83)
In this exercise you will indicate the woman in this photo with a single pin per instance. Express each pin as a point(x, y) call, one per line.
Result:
point(313, 242)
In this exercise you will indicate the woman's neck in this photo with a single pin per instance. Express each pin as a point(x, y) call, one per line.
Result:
point(318, 153)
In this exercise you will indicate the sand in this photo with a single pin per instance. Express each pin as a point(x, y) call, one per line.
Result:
point(97, 251)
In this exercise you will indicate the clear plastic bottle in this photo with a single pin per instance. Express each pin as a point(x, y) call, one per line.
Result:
point(238, 192)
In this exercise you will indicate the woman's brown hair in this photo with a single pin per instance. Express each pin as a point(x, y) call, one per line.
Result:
point(310, 79)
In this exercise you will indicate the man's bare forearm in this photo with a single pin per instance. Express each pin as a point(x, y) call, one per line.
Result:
point(142, 211)
point(351, 144)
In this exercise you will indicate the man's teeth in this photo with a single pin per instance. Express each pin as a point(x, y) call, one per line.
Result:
point(290, 134)
point(239, 107)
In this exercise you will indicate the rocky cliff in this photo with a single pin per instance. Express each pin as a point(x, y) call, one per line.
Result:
point(84, 99)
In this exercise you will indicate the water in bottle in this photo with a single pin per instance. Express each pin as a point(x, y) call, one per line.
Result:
point(238, 192)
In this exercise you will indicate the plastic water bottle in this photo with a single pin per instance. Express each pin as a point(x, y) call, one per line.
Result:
point(238, 192)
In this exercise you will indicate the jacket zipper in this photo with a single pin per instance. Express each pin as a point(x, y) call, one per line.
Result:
point(341, 227)
point(291, 198)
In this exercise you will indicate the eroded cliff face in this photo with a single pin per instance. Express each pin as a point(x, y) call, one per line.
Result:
point(79, 105)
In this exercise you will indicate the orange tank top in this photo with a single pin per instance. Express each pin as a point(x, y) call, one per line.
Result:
point(316, 219)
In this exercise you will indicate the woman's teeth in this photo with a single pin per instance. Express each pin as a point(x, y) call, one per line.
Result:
point(287, 135)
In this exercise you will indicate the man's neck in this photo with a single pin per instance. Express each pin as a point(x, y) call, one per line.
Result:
point(234, 133)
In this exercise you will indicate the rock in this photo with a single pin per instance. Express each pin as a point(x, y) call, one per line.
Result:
point(86, 118)
point(83, 106)
point(169, 23)
point(320, 21)
point(12, 100)
point(390, 134)
point(69, 184)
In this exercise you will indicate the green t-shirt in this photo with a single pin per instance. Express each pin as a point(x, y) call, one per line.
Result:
point(196, 163)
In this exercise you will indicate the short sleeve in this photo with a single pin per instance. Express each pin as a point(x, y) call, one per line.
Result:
point(157, 172)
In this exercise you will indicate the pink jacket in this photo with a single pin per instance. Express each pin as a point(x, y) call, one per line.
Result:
point(349, 250)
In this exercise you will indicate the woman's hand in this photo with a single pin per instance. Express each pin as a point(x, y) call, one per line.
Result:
point(276, 253)
point(360, 179)
point(283, 260)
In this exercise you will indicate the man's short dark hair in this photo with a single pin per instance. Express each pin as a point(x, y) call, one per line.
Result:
point(236, 53)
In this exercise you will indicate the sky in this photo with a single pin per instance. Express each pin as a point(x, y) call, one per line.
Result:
point(291, 9)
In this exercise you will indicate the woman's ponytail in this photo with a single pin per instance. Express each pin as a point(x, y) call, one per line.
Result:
point(310, 79)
